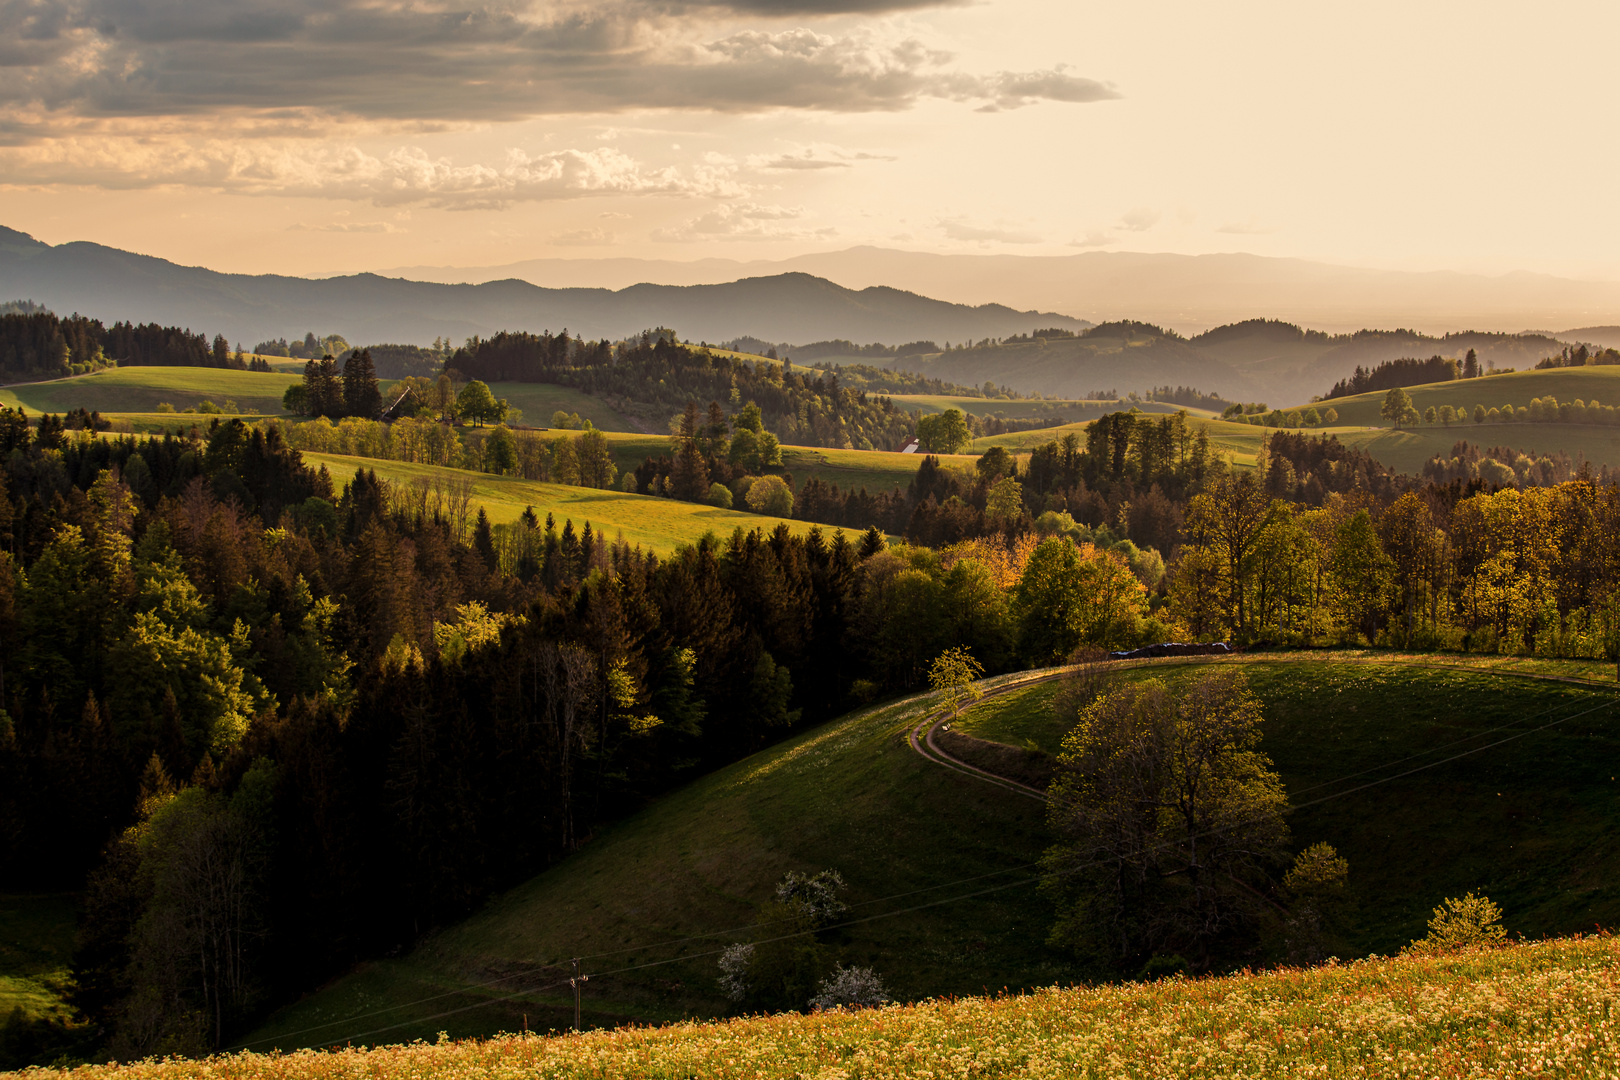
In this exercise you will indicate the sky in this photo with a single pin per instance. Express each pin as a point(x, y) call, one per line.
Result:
point(319, 136)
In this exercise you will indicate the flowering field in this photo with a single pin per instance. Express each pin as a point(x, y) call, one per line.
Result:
point(1543, 1009)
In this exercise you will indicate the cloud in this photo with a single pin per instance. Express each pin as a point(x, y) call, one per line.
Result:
point(1243, 228)
point(398, 177)
point(745, 221)
point(311, 62)
point(960, 230)
point(1139, 220)
point(1096, 238)
point(349, 227)
point(812, 158)
point(582, 238)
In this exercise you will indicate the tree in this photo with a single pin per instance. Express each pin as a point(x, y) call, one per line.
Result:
point(361, 397)
point(770, 495)
point(1168, 816)
point(944, 433)
point(1330, 417)
point(1479, 414)
point(689, 475)
point(1006, 500)
point(1067, 597)
point(500, 452)
point(720, 495)
point(595, 457)
point(1397, 407)
point(1471, 365)
point(954, 674)
point(477, 404)
point(296, 400)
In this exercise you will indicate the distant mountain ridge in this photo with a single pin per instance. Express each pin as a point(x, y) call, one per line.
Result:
point(1188, 293)
point(112, 284)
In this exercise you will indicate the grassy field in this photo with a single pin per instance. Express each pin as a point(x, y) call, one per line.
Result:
point(140, 389)
point(1525, 823)
point(1020, 409)
point(539, 400)
point(876, 470)
point(849, 795)
point(1528, 823)
point(36, 945)
point(660, 525)
point(1566, 384)
point(1240, 442)
point(1541, 1010)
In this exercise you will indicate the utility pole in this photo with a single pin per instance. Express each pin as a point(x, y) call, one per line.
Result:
point(576, 982)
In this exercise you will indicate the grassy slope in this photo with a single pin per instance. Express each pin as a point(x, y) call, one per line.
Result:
point(1239, 442)
point(657, 524)
point(1527, 823)
point(876, 470)
point(140, 389)
point(36, 945)
point(539, 400)
point(1566, 384)
point(848, 795)
point(852, 796)
point(1543, 1009)
point(1023, 408)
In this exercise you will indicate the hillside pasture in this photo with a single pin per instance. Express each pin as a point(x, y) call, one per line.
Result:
point(660, 525)
point(1522, 823)
point(539, 400)
point(1526, 823)
point(141, 389)
point(1491, 391)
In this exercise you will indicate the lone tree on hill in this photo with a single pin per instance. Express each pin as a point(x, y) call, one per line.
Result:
point(955, 674)
point(1169, 816)
point(1398, 408)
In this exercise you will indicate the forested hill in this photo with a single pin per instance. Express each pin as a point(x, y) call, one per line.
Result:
point(118, 284)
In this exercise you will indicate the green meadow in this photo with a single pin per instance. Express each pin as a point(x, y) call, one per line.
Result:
point(118, 391)
point(660, 525)
point(920, 847)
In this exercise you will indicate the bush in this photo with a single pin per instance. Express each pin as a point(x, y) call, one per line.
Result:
point(164, 407)
point(1472, 922)
point(734, 965)
point(719, 495)
point(770, 495)
point(851, 988)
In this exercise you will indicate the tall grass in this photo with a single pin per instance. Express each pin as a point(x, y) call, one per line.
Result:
point(1543, 1009)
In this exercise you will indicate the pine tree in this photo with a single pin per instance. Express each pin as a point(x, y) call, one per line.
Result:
point(689, 476)
point(361, 397)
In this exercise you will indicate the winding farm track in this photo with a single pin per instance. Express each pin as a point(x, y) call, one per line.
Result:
point(921, 735)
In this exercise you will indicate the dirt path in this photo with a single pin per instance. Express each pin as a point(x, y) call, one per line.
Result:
point(921, 736)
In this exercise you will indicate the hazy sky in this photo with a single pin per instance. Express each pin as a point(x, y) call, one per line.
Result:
point(302, 136)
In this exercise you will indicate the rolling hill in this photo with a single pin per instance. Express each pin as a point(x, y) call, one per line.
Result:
point(914, 842)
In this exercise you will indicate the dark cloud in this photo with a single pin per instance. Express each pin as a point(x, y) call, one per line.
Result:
point(398, 61)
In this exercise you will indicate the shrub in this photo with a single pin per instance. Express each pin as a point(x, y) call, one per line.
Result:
point(1469, 923)
point(734, 965)
point(813, 897)
point(771, 495)
point(851, 988)
point(164, 407)
point(719, 494)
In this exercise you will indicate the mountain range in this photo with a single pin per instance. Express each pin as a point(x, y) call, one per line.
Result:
point(1254, 360)
point(112, 285)
point(1188, 293)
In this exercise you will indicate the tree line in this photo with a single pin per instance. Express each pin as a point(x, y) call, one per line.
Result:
point(43, 345)
point(805, 408)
